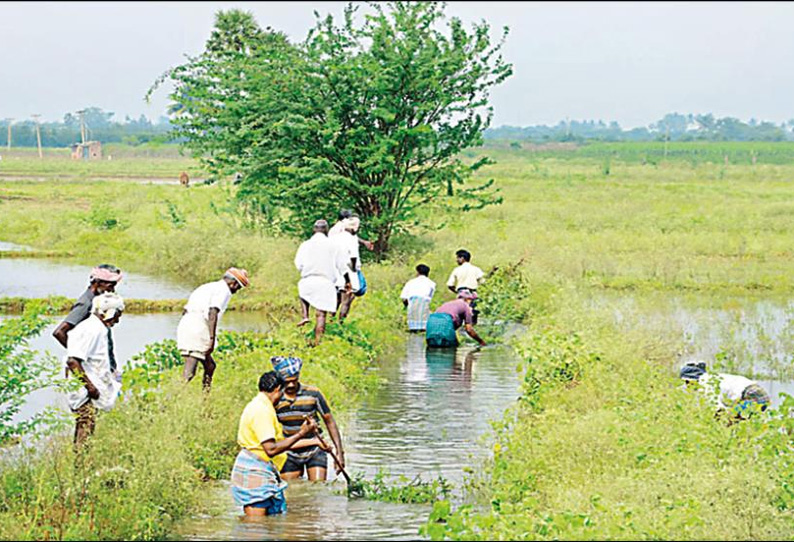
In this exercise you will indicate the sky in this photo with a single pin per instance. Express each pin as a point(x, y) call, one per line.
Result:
point(623, 61)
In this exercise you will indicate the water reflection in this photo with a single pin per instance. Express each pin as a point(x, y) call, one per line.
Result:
point(426, 420)
point(33, 278)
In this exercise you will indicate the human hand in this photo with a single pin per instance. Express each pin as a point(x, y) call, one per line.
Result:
point(369, 244)
point(308, 426)
point(93, 393)
point(340, 463)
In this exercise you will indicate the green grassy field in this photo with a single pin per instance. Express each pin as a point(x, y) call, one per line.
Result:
point(602, 443)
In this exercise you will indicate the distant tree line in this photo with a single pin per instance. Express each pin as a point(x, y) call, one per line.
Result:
point(672, 127)
point(100, 126)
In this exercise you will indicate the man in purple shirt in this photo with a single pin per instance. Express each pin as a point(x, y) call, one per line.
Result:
point(443, 323)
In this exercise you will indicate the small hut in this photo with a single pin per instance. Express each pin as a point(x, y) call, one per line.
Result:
point(90, 150)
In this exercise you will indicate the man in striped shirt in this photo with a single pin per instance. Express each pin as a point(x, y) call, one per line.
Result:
point(299, 401)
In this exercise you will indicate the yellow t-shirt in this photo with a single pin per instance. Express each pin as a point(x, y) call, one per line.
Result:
point(465, 275)
point(259, 423)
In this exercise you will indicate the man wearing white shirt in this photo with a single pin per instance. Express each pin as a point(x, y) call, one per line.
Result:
point(88, 358)
point(728, 392)
point(322, 266)
point(346, 243)
point(416, 296)
point(196, 332)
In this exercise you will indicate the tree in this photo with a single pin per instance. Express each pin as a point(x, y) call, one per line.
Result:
point(371, 114)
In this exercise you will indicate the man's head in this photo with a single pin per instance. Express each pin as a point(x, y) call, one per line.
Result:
point(467, 295)
point(422, 269)
point(271, 384)
point(289, 368)
point(691, 371)
point(345, 213)
point(320, 226)
point(104, 278)
point(352, 224)
point(108, 307)
point(463, 256)
point(236, 279)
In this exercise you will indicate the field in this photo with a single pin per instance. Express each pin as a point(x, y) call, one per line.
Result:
point(602, 443)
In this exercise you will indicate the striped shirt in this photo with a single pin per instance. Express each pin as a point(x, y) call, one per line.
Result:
point(309, 400)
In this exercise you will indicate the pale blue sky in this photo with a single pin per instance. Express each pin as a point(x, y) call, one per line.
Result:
point(630, 62)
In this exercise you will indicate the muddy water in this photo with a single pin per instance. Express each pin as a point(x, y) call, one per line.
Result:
point(427, 420)
point(41, 278)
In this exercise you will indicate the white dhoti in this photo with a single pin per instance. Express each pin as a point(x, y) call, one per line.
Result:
point(193, 335)
point(319, 292)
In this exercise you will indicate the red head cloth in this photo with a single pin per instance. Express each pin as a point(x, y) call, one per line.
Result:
point(240, 275)
point(106, 273)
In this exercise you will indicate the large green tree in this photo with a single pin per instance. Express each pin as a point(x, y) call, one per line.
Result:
point(370, 113)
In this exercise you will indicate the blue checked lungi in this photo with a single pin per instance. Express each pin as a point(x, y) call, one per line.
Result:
point(257, 482)
point(441, 330)
point(418, 313)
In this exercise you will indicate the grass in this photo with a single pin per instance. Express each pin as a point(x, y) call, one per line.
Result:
point(603, 444)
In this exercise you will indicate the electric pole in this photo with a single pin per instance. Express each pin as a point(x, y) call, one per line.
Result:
point(82, 125)
point(38, 132)
point(8, 141)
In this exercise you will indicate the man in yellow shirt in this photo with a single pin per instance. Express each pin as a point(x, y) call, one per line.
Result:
point(465, 277)
point(256, 484)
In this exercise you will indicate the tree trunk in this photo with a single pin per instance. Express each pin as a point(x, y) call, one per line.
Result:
point(382, 242)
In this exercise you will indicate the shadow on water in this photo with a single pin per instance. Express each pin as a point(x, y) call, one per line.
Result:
point(428, 419)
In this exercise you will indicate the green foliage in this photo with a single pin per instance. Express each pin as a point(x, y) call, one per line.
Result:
point(505, 294)
point(402, 490)
point(22, 371)
point(369, 116)
point(103, 217)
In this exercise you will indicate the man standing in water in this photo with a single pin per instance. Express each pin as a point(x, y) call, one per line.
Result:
point(88, 358)
point(103, 278)
point(321, 268)
point(442, 324)
point(416, 295)
point(196, 332)
point(298, 402)
point(256, 483)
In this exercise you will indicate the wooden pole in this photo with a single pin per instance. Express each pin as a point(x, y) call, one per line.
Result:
point(38, 133)
point(8, 141)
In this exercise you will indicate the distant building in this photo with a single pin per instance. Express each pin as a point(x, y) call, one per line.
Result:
point(90, 150)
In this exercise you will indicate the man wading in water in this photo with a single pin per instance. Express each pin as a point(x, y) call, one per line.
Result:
point(298, 402)
point(196, 333)
point(103, 278)
point(442, 324)
point(256, 484)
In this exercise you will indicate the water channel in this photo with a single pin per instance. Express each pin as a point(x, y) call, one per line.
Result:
point(431, 415)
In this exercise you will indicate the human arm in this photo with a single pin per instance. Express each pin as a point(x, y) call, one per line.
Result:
point(368, 244)
point(473, 334)
point(333, 430)
point(76, 366)
point(61, 332)
point(273, 448)
point(212, 322)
